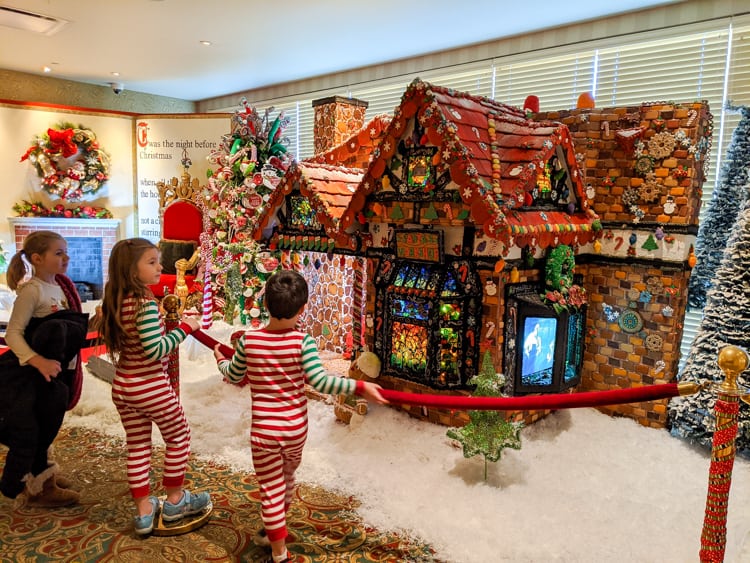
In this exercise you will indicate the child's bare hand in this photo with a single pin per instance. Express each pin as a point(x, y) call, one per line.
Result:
point(218, 356)
point(48, 368)
point(371, 392)
point(192, 322)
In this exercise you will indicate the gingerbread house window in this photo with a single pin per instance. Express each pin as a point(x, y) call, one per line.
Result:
point(429, 311)
point(302, 214)
point(553, 187)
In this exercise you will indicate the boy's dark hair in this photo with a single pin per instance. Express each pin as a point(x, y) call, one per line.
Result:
point(286, 293)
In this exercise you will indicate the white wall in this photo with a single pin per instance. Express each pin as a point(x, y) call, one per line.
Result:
point(19, 124)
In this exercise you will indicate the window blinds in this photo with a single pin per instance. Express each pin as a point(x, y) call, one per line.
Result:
point(709, 62)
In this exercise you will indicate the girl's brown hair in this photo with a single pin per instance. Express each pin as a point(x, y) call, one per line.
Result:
point(122, 282)
point(37, 242)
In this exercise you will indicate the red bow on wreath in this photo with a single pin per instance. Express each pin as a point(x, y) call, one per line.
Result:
point(62, 142)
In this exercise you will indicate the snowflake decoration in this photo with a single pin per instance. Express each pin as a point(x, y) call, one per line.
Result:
point(630, 196)
point(610, 313)
point(638, 213)
point(661, 145)
point(650, 191)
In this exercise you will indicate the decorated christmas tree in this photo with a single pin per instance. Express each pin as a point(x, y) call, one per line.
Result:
point(488, 433)
point(726, 321)
point(727, 199)
point(246, 168)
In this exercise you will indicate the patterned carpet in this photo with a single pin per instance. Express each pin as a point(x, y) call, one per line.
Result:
point(322, 525)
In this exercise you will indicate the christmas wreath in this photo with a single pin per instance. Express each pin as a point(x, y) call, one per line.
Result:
point(69, 161)
point(561, 293)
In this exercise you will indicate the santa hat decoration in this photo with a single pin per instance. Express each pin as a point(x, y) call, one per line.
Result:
point(531, 104)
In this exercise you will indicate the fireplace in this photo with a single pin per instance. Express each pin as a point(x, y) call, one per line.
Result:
point(90, 243)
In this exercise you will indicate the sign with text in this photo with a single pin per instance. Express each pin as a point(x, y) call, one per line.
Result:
point(419, 245)
point(162, 143)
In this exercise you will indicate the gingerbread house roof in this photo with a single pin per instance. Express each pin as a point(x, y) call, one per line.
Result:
point(493, 153)
point(356, 151)
point(328, 180)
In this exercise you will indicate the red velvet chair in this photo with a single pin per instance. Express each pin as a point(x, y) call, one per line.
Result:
point(181, 227)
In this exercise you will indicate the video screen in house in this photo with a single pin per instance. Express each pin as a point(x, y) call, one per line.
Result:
point(538, 352)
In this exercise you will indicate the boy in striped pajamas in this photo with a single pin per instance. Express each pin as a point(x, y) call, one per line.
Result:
point(133, 330)
point(277, 361)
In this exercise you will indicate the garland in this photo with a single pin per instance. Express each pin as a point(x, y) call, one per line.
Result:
point(69, 161)
point(37, 209)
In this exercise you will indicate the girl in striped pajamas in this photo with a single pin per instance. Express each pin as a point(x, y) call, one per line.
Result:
point(134, 333)
point(277, 361)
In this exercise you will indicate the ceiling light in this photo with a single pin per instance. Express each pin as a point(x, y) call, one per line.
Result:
point(206, 43)
point(47, 69)
point(30, 21)
point(115, 73)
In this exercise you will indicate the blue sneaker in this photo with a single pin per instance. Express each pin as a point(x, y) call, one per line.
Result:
point(145, 524)
point(189, 504)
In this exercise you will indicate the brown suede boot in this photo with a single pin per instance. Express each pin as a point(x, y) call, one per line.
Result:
point(62, 480)
point(42, 492)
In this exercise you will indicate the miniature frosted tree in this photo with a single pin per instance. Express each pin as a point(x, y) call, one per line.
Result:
point(727, 200)
point(488, 433)
point(726, 321)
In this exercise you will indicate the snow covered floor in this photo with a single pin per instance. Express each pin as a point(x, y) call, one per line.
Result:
point(584, 487)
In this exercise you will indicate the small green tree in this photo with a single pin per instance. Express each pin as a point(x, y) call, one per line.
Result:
point(488, 433)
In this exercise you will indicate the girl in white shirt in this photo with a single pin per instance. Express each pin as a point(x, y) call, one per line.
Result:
point(40, 375)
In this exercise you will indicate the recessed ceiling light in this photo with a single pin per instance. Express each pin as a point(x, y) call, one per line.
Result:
point(47, 69)
point(115, 73)
point(206, 43)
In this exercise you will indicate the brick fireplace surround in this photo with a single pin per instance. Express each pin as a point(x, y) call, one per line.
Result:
point(105, 230)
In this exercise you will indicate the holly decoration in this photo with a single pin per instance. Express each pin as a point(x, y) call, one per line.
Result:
point(488, 433)
point(37, 209)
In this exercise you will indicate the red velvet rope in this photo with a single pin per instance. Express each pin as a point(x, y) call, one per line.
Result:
point(535, 402)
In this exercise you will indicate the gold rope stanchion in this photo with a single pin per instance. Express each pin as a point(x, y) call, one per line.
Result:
point(732, 361)
point(171, 305)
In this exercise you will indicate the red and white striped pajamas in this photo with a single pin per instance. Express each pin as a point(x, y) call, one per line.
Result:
point(143, 396)
point(276, 365)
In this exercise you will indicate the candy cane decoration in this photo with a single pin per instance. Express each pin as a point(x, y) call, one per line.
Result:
point(490, 330)
point(605, 128)
point(464, 271)
point(692, 115)
point(448, 211)
point(207, 318)
point(358, 301)
point(619, 243)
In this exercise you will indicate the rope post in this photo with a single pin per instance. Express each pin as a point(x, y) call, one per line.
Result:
point(732, 361)
point(171, 305)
